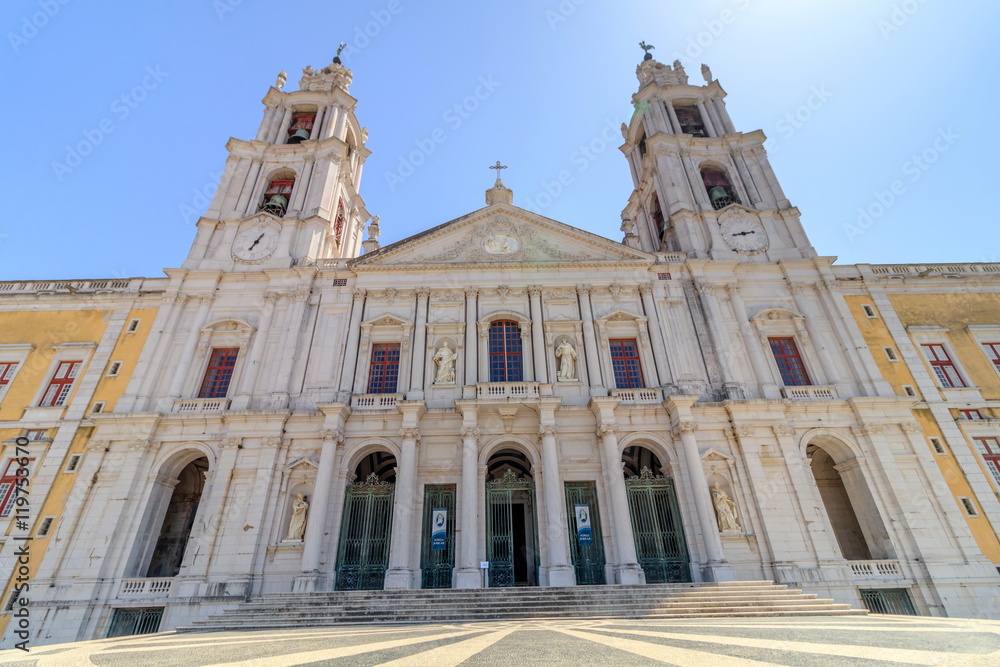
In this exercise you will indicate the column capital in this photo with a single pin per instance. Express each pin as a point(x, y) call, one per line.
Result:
point(607, 429)
point(299, 295)
point(682, 428)
point(547, 430)
point(470, 433)
point(141, 445)
point(231, 443)
point(584, 289)
point(359, 294)
point(867, 428)
point(423, 292)
point(272, 297)
point(98, 446)
point(799, 288)
point(645, 289)
point(410, 434)
point(783, 430)
point(471, 292)
point(335, 434)
point(733, 289)
point(272, 441)
point(535, 290)
point(911, 427)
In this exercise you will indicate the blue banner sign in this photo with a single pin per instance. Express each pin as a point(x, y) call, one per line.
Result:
point(584, 535)
point(439, 529)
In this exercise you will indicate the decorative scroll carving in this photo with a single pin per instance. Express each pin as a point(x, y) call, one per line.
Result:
point(783, 429)
point(684, 427)
point(410, 434)
point(606, 430)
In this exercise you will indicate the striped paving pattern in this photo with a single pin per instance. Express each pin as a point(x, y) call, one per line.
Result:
point(855, 641)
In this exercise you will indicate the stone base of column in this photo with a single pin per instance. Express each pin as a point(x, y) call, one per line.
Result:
point(468, 578)
point(718, 572)
point(309, 582)
point(562, 575)
point(630, 574)
point(398, 579)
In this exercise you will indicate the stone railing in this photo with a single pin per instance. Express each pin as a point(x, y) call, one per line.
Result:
point(68, 286)
point(188, 405)
point(507, 390)
point(375, 401)
point(809, 393)
point(638, 396)
point(876, 569)
point(930, 270)
point(158, 587)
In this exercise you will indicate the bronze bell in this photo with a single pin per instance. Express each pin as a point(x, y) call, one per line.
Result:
point(276, 204)
point(717, 193)
point(299, 136)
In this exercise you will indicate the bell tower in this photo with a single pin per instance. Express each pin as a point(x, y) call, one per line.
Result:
point(290, 196)
point(700, 186)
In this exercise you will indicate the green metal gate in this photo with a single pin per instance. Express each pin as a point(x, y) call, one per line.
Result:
point(127, 622)
point(587, 559)
point(501, 545)
point(364, 535)
point(888, 601)
point(656, 525)
point(438, 564)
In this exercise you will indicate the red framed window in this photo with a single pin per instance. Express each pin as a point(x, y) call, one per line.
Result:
point(625, 362)
point(35, 433)
point(992, 351)
point(970, 414)
point(219, 372)
point(383, 372)
point(506, 358)
point(61, 383)
point(8, 482)
point(942, 365)
point(786, 355)
point(989, 449)
point(7, 369)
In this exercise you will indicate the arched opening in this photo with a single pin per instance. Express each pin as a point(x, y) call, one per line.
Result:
point(859, 530)
point(277, 194)
point(175, 530)
point(656, 519)
point(511, 524)
point(505, 353)
point(690, 120)
point(301, 127)
point(720, 190)
point(366, 529)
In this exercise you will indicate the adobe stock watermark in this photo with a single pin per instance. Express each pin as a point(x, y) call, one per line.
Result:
point(713, 29)
point(454, 117)
point(31, 25)
point(802, 114)
point(363, 35)
point(914, 168)
point(200, 199)
point(562, 12)
point(584, 156)
point(900, 15)
point(121, 108)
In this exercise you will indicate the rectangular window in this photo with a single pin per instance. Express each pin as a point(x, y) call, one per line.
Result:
point(133, 326)
point(7, 369)
point(869, 311)
point(970, 414)
point(992, 351)
point(625, 362)
point(61, 383)
point(7, 485)
point(786, 355)
point(73, 463)
point(909, 390)
point(989, 449)
point(219, 372)
point(938, 447)
point(35, 433)
point(506, 363)
point(890, 353)
point(340, 282)
point(114, 369)
point(969, 507)
point(98, 407)
point(942, 366)
point(663, 276)
point(45, 526)
point(383, 372)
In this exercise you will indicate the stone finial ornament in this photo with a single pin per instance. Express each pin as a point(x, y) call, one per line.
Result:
point(706, 72)
point(279, 83)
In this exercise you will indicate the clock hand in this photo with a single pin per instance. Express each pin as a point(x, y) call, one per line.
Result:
point(254, 244)
point(743, 233)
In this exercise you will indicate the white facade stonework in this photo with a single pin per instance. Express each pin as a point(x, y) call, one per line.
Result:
point(701, 282)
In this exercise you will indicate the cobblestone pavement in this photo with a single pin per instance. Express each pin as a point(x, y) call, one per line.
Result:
point(858, 642)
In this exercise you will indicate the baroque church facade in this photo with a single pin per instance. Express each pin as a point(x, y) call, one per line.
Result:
point(501, 400)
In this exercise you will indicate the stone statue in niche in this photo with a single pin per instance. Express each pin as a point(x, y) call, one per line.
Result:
point(725, 510)
point(297, 524)
point(567, 361)
point(445, 360)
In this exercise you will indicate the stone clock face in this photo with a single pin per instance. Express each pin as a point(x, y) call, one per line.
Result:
point(255, 243)
point(744, 235)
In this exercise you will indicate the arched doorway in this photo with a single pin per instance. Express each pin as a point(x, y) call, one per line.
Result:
point(366, 529)
point(168, 554)
point(856, 523)
point(656, 520)
point(511, 526)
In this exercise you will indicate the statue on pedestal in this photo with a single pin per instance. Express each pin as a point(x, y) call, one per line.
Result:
point(297, 524)
point(567, 361)
point(725, 510)
point(445, 360)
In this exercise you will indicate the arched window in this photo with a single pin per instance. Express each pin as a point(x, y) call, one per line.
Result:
point(656, 213)
point(301, 127)
point(720, 190)
point(506, 359)
point(690, 121)
point(276, 196)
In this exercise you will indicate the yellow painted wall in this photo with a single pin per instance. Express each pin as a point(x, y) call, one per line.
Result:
point(936, 311)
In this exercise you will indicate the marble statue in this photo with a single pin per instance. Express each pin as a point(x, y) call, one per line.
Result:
point(567, 361)
point(297, 524)
point(725, 510)
point(280, 81)
point(445, 360)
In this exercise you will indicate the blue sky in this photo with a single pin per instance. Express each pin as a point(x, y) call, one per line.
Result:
point(882, 106)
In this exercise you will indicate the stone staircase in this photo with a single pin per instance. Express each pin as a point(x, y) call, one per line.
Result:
point(705, 600)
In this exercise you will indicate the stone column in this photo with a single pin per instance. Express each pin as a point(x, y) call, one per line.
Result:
point(252, 364)
point(761, 369)
point(419, 347)
point(674, 123)
point(597, 387)
point(718, 326)
point(317, 124)
point(805, 306)
point(215, 506)
point(467, 575)
point(310, 578)
point(290, 339)
point(697, 184)
point(627, 569)
point(748, 184)
point(656, 335)
point(717, 124)
point(265, 124)
point(282, 134)
point(186, 359)
point(537, 335)
point(351, 349)
point(400, 572)
point(471, 340)
point(561, 570)
point(707, 120)
point(249, 185)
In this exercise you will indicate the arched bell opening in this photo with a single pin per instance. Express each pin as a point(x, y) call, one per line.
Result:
point(656, 520)
point(849, 505)
point(366, 528)
point(511, 523)
point(278, 193)
point(301, 127)
point(178, 520)
point(719, 188)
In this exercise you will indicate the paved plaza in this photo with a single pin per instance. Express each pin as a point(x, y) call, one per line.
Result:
point(873, 641)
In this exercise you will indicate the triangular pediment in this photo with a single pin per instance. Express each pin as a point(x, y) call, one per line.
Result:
point(502, 234)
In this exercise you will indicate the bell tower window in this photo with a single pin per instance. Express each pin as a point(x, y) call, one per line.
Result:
point(720, 191)
point(301, 127)
point(276, 196)
point(656, 213)
point(642, 146)
point(690, 121)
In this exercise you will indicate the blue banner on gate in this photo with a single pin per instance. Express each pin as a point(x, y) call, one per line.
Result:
point(584, 536)
point(439, 529)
